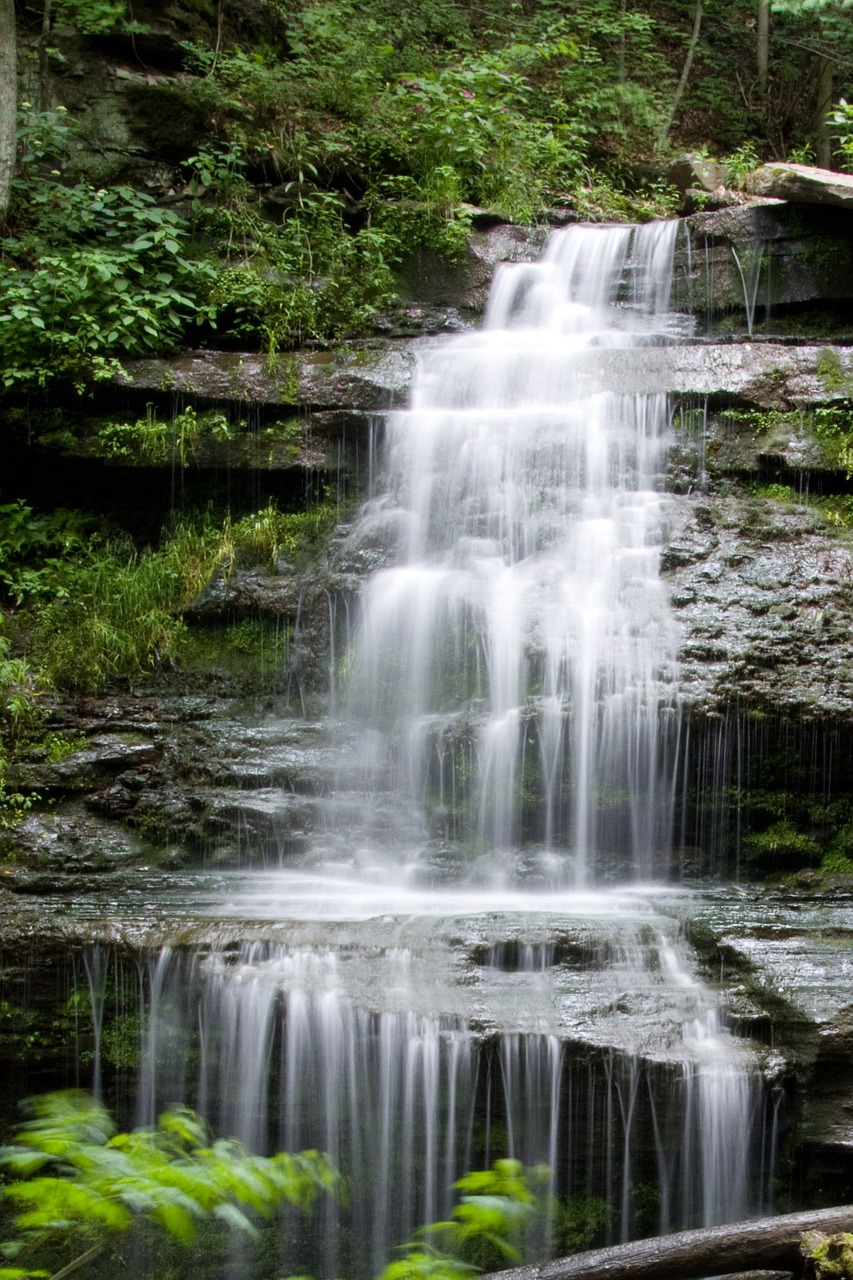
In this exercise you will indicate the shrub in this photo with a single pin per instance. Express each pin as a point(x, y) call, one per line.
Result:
point(87, 276)
point(269, 535)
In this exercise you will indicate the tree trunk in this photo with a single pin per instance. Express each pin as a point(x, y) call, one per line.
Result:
point(44, 41)
point(763, 44)
point(823, 145)
point(623, 13)
point(764, 1244)
point(685, 73)
point(8, 102)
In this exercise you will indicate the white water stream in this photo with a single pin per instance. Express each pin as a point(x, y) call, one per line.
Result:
point(515, 667)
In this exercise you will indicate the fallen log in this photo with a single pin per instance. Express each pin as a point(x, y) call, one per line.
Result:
point(765, 1244)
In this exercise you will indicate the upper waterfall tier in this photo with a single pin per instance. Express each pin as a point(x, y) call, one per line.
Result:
point(517, 660)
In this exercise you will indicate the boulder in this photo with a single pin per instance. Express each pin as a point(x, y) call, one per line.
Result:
point(759, 256)
point(428, 278)
point(802, 184)
point(698, 172)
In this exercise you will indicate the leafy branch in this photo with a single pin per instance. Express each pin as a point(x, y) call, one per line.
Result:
point(77, 1181)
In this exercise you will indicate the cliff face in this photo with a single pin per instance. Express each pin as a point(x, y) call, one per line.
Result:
point(757, 560)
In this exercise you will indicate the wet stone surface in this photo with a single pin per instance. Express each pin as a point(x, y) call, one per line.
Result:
point(194, 781)
point(793, 959)
point(763, 602)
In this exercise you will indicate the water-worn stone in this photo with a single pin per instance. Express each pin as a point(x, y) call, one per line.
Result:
point(100, 758)
point(353, 378)
point(791, 955)
point(693, 170)
point(69, 840)
point(226, 790)
point(341, 390)
point(766, 375)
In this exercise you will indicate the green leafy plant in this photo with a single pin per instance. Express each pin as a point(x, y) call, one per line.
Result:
point(741, 162)
point(155, 442)
point(270, 535)
point(837, 863)
point(827, 1256)
point(20, 712)
point(782, 842)
point(252, 655)
point(839, 122)
point(801, 154)
point(309, 277)
point(582, 1223)
point(19, 708)
point(32, 546)
point(485, 1231)
point(606, 196)
point(87, 610)
point(75, 1181)
point(96, 17)
point(469, 118)
point(86, 275)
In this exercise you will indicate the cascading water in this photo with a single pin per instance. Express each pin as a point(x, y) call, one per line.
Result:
point(513, 683)
point(516, 665)
point(605, 1066)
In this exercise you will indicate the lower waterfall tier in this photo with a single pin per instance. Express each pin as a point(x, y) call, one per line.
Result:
point(416, 1048)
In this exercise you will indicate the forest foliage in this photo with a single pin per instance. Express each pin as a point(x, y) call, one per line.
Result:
point(77, 1185)
point(78, 1189)
point(339, 138)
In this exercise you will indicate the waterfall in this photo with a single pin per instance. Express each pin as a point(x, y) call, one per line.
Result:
point(310, 1047)
point(441, 982)
point(514, 667)
point(452, 988)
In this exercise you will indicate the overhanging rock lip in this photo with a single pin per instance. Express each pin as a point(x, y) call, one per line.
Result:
point(377, 379)
point(366, 378)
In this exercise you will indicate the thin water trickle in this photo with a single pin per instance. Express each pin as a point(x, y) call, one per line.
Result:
point(750, 264)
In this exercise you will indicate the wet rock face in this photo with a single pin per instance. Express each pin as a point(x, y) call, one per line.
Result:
point(183, 781)
point(698, 172)
point(766, 255)
point(786, 958)
point(763, 605)
point(764, 375)
point(463, 286)
point(352, 378)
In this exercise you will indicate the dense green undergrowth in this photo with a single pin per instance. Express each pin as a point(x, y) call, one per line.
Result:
point(78, 1187)
point(340, 138)
point(79, 1192)
point(81, 609)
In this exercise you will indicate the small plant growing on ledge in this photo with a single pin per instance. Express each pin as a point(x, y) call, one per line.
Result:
point(827, 1256)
